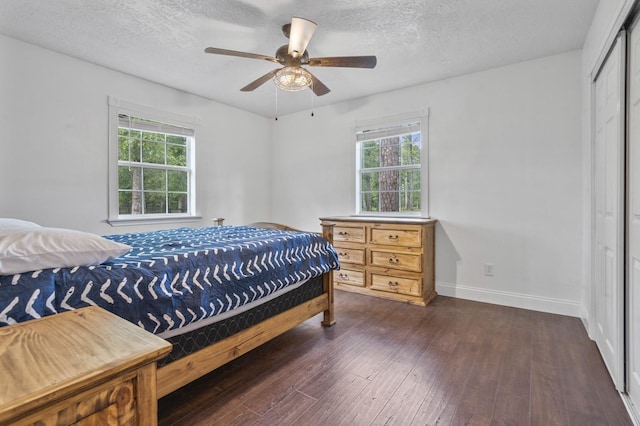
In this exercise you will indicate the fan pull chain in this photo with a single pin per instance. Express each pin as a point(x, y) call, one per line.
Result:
point(276, 89)
point(312, 98)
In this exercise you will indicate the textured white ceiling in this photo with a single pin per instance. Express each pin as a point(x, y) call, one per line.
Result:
point(415, 41)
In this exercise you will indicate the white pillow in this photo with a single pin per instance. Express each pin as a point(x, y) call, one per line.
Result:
point(33, 249)
point(8, 224)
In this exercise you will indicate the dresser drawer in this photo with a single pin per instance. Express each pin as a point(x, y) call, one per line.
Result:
point(349, 234)
point(349, 276)
point(350, 255)
point(403, 261)
point(409, 286)
point(396, 237)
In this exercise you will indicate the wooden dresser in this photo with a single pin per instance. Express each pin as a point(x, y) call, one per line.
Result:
point(84, 367)
point(391, 258)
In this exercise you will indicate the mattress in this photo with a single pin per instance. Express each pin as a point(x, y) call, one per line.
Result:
point(172, 279)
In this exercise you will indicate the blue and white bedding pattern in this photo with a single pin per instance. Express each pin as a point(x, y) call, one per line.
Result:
point(172, 278)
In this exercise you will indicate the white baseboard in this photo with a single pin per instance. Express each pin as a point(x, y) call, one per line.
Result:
point(584, 316)
point(516, 300)
point(630, 409)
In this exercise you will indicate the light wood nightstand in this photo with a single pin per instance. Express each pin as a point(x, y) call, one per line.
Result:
point(84, 367)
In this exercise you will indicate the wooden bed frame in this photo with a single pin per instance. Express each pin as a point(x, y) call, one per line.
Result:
point(185, 370)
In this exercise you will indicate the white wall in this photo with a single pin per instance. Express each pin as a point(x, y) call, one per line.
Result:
point(53, 143)
point(505, 164)
point(608, 19)
point(505, 177)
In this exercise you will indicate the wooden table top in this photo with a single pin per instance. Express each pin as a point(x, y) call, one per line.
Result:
point(60, 355)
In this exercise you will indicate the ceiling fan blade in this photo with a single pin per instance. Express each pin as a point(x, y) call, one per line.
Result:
point(259, 81)
point(344, 61)
point(217, 51)
point(299, 35)
point(318, 87)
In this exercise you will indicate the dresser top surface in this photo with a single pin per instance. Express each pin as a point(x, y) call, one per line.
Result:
point(380, 219)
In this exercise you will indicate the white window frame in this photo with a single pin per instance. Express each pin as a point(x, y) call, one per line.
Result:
point(368, 127)
point(119, 107)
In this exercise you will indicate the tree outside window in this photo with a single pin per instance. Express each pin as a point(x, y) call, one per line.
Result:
point(389, 169)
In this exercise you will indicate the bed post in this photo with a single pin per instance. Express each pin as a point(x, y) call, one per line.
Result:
point(327, 279)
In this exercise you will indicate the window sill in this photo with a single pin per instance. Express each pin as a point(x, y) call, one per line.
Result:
point(150, 220)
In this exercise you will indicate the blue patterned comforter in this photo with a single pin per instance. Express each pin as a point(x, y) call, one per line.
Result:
point(172, 278)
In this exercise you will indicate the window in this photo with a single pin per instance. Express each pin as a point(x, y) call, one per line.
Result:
point(389, 168)
point(152, 166)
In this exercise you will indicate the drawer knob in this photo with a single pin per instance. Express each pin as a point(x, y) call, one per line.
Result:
point(344, 276)
point(393, 237)
point(343, 254)
point(394, 260)
point(343, 233)
point(393, 284)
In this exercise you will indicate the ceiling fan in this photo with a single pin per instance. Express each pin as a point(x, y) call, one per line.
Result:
point(292, 76)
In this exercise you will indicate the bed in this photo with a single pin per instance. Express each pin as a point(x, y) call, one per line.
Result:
point(214, 292)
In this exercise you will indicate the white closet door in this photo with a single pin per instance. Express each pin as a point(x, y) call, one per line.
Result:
point(633, 221)
point(608, 294)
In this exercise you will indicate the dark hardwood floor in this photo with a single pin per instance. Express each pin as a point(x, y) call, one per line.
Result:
point(388, 363)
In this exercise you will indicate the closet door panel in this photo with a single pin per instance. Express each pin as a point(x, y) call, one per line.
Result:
point(609, 212)
point(633, 220)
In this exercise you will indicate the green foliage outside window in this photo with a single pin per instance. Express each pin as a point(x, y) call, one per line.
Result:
point(151, 179)
point(390, 174)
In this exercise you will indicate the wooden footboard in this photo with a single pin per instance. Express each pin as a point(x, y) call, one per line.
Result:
point(185, 370)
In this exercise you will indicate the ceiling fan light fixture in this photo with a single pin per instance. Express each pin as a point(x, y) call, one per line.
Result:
point(292, 79)
point(299, 35)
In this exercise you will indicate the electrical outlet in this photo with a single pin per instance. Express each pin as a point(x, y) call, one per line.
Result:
point(488, 269)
